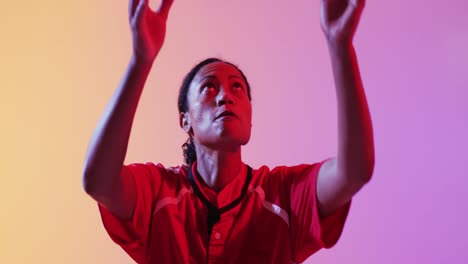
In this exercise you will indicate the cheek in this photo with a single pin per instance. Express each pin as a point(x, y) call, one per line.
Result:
point(248, 112)
point(201, 118)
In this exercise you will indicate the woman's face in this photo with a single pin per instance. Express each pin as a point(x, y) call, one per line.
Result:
point(219, 110)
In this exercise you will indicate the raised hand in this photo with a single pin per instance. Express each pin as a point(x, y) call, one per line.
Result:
point(340, 18)
point(148, 28)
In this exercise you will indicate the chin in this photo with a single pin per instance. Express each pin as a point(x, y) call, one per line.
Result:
point(229, 143)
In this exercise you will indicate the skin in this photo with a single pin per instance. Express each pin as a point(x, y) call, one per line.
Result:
point(218, 142)
point(341, 177)
point(106, 151)
point(216, 88)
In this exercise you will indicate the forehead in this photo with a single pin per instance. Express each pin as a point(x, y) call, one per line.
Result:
point(217, 69)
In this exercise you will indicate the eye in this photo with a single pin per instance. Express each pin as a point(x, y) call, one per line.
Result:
point(238, 85)
point(208, 85)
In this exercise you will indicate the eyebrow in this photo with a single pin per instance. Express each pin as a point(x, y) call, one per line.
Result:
point(214, 77)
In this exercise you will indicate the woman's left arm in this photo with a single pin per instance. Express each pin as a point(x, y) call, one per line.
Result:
point(341, 177)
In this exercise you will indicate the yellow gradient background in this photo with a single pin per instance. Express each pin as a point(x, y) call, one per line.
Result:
point(61, 63)
point(62, 60)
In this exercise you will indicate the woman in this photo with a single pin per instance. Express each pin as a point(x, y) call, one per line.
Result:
point(217, 209)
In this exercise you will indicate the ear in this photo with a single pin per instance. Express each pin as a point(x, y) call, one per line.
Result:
point(184, 122)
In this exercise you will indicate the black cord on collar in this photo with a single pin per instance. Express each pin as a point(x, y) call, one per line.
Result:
point(214, 213)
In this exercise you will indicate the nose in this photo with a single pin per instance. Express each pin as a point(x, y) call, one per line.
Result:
point(224, 97)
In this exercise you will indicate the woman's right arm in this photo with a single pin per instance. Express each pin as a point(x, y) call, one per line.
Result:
point(102, 179)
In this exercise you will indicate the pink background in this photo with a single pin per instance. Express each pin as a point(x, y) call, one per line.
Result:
point(61, 61)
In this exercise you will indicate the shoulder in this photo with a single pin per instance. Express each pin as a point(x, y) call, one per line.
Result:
point(156, 172)
point(158, 180)
point(158, 168)
point(286, 173)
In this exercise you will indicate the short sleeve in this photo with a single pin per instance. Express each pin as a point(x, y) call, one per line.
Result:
point(309, 233)
point(132, 234)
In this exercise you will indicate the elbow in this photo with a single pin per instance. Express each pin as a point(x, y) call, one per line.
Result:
point(88, 183)
point(96, 185)
point(367, 175)
point(367, 171)
point(360, 175)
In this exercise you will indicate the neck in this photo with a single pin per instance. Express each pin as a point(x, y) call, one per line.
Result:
point(217, 168)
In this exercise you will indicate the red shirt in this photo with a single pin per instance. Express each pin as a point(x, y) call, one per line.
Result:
point(277, 220)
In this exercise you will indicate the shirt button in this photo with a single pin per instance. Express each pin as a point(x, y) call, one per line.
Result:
point(217, 235)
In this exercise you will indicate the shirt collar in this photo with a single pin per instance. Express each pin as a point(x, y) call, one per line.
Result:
point(228, 194)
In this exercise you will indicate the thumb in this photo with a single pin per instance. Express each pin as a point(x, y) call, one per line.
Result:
point(324, 13)
point(140, 11)
point(163, 9)
point(352, 15)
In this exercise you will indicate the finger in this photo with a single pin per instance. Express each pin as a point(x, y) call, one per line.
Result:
point(332, 10)
point(132, 5)
point(358, 3)
point(164, 8)
point(324, 12)
point(140, 11)
point(352, 14)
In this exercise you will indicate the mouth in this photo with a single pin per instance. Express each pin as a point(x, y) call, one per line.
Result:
point(226, 114)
